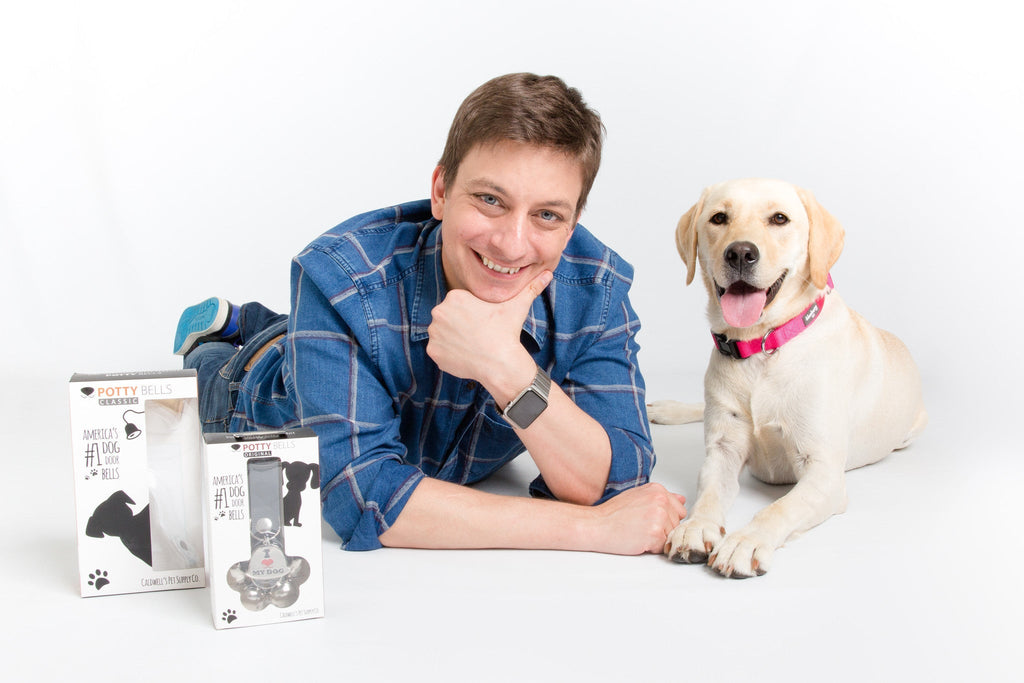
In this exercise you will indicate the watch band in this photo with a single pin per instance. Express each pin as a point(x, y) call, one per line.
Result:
point(529, 403)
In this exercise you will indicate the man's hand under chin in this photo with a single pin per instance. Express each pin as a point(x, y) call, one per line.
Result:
point(474, 339)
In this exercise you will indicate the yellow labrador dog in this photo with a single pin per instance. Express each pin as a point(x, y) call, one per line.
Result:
point(800, 389)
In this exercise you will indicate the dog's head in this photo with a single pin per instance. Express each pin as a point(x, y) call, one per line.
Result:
point(298, 473)
point(764, 248)
point(112, 517)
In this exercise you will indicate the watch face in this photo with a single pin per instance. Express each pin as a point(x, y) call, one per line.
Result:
point(526, 409)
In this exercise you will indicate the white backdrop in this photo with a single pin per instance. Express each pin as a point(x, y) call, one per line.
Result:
point(155, 154)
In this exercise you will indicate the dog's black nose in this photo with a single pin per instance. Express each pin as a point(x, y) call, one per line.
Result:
point(741, 255)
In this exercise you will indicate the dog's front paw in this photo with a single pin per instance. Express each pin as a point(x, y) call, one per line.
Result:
point(741, 555)
point(692, 540)
point(674, 412)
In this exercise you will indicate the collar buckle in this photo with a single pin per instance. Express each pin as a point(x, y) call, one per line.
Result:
point(726, 346)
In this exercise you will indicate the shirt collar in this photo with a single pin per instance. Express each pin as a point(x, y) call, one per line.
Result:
point(431, 290)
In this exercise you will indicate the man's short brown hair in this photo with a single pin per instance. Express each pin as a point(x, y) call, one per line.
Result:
point(524, 107)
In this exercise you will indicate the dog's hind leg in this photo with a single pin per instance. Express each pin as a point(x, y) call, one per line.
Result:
point(674, 412)
point(915, 431)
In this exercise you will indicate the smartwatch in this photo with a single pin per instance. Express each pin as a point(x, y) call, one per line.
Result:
point(522, 410)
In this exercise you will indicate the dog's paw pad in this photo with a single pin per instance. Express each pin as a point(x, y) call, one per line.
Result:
point(683, 556)
point(98, 579)
point(229, 616)
point(692, 541)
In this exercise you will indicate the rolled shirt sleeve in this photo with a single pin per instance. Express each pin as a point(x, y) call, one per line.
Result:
point(336, 390)
point(605, 382)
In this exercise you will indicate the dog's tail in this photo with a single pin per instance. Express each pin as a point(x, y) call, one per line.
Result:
point(674, 412)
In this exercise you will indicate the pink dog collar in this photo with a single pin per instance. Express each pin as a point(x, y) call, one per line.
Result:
point(775, 337)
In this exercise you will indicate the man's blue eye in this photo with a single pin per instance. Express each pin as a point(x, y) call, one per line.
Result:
point(489, 199)
point(548, 216)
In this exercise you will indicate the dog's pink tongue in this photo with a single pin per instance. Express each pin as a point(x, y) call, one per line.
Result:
point(743, 310)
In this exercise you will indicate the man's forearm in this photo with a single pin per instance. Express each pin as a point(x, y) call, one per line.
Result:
point(444, 515)
point(441, 514)
point(571, 450)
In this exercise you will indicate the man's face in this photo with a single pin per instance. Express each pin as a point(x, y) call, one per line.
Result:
point(506, 216)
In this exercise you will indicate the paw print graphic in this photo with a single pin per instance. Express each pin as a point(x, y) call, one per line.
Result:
point(229, 616)
point(220, 515)
point(91, 474)
point(98, 579)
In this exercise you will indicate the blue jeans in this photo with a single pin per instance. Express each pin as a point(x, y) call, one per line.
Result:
point(220, 366)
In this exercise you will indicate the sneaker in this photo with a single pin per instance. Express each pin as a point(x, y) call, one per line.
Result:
point(215, 319)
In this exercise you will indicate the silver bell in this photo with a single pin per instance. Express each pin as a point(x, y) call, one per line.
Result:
point(284, 594)
point(252, 598)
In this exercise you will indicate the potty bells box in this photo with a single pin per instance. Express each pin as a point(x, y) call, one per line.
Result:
point(137, 446)
point(264, 547)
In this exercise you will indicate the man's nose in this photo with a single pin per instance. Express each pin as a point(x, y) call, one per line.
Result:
point(510, 237)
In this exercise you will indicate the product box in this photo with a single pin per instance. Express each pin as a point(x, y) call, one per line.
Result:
point(263, 541)
point(137, 445)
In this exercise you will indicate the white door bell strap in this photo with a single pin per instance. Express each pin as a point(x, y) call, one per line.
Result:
point(174, 467)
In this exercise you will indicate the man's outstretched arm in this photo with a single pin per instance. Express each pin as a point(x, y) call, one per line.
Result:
point(440, 514)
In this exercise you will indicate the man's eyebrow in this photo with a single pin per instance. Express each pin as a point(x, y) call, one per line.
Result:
point(477, 184)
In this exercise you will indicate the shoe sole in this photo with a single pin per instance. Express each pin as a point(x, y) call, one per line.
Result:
point(198, 321)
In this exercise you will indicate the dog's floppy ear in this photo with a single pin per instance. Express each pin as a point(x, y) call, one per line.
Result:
point(686, 237)
point(825, 240)
point(121, 497)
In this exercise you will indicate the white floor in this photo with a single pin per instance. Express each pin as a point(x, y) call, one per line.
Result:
point(918, 580)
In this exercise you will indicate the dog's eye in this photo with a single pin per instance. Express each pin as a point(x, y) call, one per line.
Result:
point(719, 218)
point(780, 219)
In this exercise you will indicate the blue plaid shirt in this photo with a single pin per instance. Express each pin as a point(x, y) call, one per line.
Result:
point(354, 367)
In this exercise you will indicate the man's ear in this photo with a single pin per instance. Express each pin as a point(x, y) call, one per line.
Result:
point(686, 237)
point(437, 193)
point(824, 240)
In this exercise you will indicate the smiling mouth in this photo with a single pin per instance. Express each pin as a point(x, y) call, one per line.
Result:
point(496, 268)
point(740, 288)
point(743, 303)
